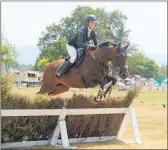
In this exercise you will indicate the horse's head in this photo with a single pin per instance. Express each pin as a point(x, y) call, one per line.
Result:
point(116, 53)
point(119, 61)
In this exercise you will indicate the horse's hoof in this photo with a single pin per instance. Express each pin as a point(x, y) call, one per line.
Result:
point(95, 98)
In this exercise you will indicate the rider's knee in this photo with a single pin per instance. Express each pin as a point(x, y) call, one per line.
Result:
point(73, 58)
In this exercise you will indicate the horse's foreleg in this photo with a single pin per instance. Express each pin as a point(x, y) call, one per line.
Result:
point(109, 89)
point(103, 93)
point(100, 94)
point(60, 88)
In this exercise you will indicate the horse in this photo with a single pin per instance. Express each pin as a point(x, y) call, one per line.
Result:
point(90, 71)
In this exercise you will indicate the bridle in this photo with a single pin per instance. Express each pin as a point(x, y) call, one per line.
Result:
point(116, 67)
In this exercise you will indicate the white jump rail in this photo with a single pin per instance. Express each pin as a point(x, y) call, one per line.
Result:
point(61, 125)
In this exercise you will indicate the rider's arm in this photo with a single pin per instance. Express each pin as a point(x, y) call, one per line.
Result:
point(80, 40)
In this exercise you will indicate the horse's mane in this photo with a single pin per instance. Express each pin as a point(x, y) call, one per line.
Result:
point(107, 44)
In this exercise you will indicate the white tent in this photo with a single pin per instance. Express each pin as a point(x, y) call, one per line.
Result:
point(165, 80)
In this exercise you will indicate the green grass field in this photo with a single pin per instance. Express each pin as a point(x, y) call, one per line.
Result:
point(151, 117)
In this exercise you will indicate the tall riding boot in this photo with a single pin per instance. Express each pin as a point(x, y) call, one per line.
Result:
point(64, 68)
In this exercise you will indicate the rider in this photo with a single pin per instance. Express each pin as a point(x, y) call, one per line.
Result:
point(80, 40)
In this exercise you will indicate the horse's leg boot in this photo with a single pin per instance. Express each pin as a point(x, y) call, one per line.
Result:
point(63, 68)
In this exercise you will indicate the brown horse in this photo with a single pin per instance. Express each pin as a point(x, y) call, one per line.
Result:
point(92, 71)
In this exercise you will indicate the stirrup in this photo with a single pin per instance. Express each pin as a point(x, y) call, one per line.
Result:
point(58, 75)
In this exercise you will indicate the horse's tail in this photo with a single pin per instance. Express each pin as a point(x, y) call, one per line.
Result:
point(41, 90)
point(49, 78)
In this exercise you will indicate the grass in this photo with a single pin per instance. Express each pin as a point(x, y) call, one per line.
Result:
point(145, 95)
point(151, 117)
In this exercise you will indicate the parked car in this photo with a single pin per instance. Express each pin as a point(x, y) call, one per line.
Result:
point(122, 87)
point(120, 84)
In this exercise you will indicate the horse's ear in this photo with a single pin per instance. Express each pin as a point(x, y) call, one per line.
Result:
point(126, 46)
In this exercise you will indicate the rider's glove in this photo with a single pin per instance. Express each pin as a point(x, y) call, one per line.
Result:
point(91, 47)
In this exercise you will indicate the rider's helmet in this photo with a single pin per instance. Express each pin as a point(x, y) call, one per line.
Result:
point(91, 18)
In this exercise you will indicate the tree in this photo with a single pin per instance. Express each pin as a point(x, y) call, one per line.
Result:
point(144, 66)
point(111, 25)
point(53, 40)
point(56, 50)
point(162, 71)
point(42, 63)
point(15, 64)
point(8, 53)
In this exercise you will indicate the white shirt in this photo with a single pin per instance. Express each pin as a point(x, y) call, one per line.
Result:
point(89, 30)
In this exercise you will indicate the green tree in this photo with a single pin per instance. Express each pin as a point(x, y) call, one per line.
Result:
point(8, 53)
point(144, 66)
point(162, 71)
point(53, 40)
point(6, 56)
point(42, 63)
point(111, 25)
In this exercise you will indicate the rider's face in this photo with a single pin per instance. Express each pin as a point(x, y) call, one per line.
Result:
point(92, 25)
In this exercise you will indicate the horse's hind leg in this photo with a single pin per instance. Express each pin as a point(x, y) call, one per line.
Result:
point(60, 88)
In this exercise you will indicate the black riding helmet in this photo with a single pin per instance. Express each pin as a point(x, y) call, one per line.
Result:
point(91, 18)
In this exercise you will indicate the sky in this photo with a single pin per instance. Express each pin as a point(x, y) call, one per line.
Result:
point(24, 21)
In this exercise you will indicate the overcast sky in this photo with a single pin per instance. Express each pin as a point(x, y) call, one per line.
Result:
point(24, 21)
